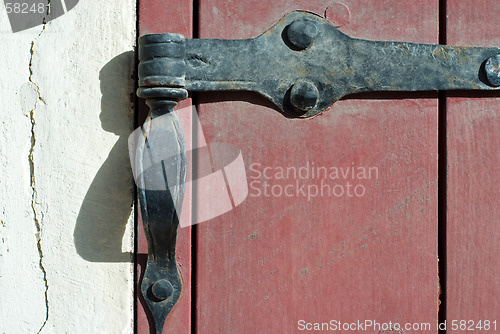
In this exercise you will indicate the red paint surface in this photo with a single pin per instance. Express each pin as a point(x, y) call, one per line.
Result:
point(163, 16)
point(473, 229)
point(273, 261)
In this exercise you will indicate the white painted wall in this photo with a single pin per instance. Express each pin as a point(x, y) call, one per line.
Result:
point(65, 181)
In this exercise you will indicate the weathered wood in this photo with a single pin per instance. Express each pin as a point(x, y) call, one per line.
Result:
point(473, 214)
point(276, 260)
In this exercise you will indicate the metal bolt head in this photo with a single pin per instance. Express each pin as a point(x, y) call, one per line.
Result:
point(304, 95)
point(162, 289)
point(492, 67)
point(301, 33)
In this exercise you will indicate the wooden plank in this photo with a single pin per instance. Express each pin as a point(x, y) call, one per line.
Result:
point(161, 16)
point(278, 259)
point(473, 137)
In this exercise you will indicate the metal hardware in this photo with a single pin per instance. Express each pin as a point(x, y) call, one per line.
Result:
point(303, 64)
point(304, 54)
point(492, 69)
point(161, 190)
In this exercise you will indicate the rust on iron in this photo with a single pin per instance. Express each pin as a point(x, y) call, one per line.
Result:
point(305, 47)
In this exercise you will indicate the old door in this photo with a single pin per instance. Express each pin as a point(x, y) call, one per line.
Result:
point(348, 212)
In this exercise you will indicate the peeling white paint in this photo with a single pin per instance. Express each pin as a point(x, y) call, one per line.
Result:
point(65, 209)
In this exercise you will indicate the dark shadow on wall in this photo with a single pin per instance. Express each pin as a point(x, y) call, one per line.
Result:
point(105, 210)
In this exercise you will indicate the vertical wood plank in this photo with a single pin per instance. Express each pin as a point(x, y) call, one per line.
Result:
point(162, 16)
point(66, 196)
point(278, 259)
point(473, 137)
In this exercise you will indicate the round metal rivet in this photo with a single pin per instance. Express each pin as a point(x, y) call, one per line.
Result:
point(301, 33)
point(162, 289)
point(304, 95)
point(493, 70)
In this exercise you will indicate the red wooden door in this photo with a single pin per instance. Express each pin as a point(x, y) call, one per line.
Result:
point(359, 245)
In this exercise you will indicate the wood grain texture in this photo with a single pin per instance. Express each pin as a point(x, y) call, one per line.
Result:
point(162, 16)
point(275, 260)
point(473, 225)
